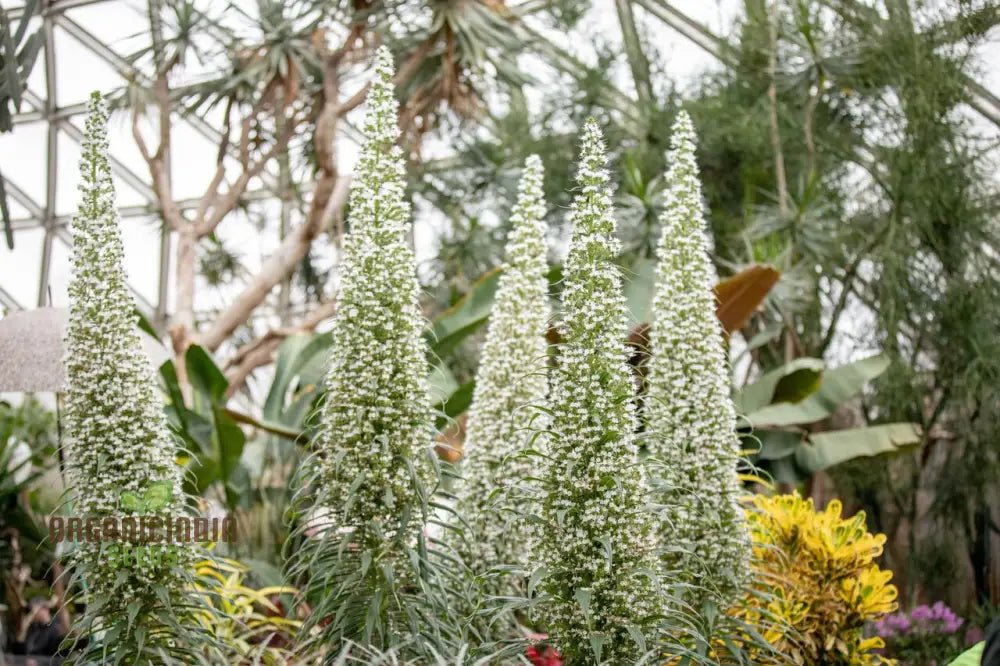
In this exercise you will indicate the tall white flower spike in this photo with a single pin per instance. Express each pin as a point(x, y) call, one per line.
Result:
point(371, 473)
point(691, 420)
point(511, 385)
point(598, 545)
point(117, 437)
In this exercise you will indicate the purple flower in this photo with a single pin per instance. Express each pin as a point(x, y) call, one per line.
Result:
point(952, 625)
point(924, 619)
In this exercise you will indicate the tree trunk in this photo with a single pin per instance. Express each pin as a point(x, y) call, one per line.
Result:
point(182, 325)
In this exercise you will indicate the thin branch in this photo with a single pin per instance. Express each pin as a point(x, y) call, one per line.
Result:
point(289, 254)
point(636, 56)
point(222, 204)
point(772, 96)
point(330, 193)
point(403, 74)
point(161, 179)
point(807, 129)
point(261, 351)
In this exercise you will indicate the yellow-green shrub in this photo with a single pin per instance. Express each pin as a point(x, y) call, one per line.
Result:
point(815, 574)
point(246, 620)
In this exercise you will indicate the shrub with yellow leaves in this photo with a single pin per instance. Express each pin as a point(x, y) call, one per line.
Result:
point(816, 583)
point(250, 622)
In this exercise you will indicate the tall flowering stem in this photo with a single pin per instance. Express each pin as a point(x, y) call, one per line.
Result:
point(511, 385)
point(691, 421)
point(117, 436)
point(598, 545)
point(362, 555)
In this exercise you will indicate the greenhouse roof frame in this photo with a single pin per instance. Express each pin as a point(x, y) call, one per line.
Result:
point(43, 107)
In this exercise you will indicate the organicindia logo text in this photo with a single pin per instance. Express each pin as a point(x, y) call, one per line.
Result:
point(146, 537)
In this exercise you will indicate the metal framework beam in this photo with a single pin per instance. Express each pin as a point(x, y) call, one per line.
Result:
point(46, 108)
point(8, 300)
point(126, 212)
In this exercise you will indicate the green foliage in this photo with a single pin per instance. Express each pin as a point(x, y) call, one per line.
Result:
point(806, 397)
point(17, 57)
point(18, 53)
point(780, 406)
point(208, 429)
point(465, 316)
point(970, 657)
point(250, 622)
point(26, 442)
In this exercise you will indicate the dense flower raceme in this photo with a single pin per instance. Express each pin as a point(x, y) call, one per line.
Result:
point(117, 433)
point(690, 418)
point(937, 618)
point(598, 546)
point(511, 385)
point(118, 443)
point(371, 473)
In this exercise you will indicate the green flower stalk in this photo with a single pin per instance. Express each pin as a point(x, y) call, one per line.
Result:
point(511, 385)
point(362, 555)
point(691, 420)
point(598, 548)
point(117, 438)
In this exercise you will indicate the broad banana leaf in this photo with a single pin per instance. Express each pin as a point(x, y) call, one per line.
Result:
point(464, 317)
point(826, 449)
point(970, 657)
point(448, 396)
point(768, 444)
point(640, 281)
point(837, 386)
point(792, 456)
point(207, 427)
point(298, 372)
point(738, 296)
point(792, 382)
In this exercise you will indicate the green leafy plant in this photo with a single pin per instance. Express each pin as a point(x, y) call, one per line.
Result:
point(208, 428)
point(782, 404)
point(970, 657)
point(18, 52)
point(815, 574)
point(251, 623)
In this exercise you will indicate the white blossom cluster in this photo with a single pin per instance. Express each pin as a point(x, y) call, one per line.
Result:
point(116, 431)
point(375, 437)
point(598, 546)
point(511, 385)
point(691, 420)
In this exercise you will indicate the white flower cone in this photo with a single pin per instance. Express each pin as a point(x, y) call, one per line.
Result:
point(691, 420)
point(376, 415)
point(599, 542)
point(371, 475)
point(117, 436)
point(511, 385)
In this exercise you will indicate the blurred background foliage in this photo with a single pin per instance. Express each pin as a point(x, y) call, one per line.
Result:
point(847, 154)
